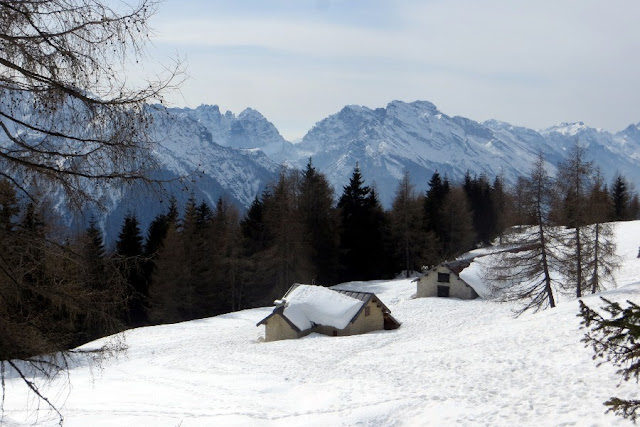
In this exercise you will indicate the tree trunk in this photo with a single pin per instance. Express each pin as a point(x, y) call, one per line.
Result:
point(578, 263)
point(594, 278)
point(545, 263)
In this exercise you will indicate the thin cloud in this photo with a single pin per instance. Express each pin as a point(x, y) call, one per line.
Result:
point(529, 63)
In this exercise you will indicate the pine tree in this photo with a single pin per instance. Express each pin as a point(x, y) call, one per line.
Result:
point(256, 240)
point(620, 199)
point(168, 297)
point(158, 229)
point(189, 219)
point(229, 278)
point(204, 214)
point(129, 253)
point(184, 284)
point(93, 254)
point(407, 230)
point(361, 231)
point(352, 205)
point(616, 339)
point(518, 213)
point(286, 260)
point(202, 296)
point(354, 194)
point(479, 196)
point(32, 252)
point(634, 207)
point(95, 240)
point(9, 207)
point(432, 248)
point(129, 243)
point(457, 232)
point(380, 259)
point(154, 243)
point(320, 224)
point(104, 283)
point(438, 190)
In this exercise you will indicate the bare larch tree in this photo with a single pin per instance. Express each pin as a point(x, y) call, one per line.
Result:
point(523, 274)
point(68, 114)
point(574, 182)
point(602, 260)
point(69, 120)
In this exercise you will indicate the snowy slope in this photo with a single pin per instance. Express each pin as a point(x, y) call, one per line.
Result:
point(451, 362)
point(186, 146)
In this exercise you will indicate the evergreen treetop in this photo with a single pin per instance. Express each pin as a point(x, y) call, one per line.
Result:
point(615, 339)
point(129, 242)
point(95, 241)
point(355, 193)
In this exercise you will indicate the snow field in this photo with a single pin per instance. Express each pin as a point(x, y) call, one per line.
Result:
point(452, 362)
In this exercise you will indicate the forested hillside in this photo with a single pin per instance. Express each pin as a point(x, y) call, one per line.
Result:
point(207, 260)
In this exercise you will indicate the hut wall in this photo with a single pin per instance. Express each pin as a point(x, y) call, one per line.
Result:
point(276, 328)
point(433, 284)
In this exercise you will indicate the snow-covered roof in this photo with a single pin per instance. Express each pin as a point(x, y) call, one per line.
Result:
point(458, 265)
point(308, 305)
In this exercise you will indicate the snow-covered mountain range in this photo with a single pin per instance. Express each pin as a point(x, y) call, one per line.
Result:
point(234, 156)
point(418, 137)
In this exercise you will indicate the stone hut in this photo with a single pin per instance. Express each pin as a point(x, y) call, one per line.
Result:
point(444, 281)
point(307, 308)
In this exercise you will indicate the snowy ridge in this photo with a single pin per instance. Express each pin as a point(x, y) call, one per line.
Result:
point(567, 129)
point(418, 137)
point(249, 129)
point(186, 147)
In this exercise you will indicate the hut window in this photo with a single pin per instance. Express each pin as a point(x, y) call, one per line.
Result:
point(443, 277)
point(443, 291)
point(335, 333)
point(367, 311)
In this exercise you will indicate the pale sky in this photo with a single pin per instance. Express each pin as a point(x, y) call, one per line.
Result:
point(530, 63)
